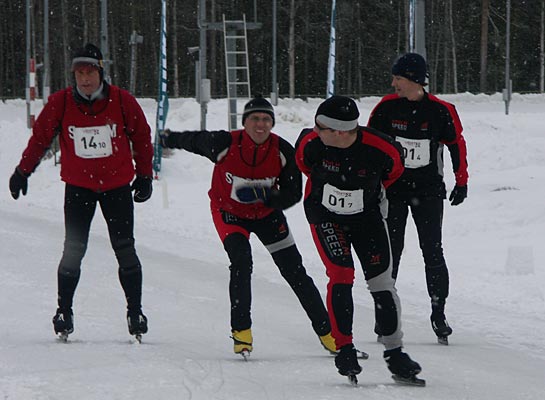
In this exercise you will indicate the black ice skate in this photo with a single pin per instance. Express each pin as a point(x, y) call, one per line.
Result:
point(404, 369)
point(138, 324)
point(440, 326)
point(63, 323)
point(346, 362)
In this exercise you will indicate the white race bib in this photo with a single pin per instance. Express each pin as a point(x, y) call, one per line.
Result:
point(93, 141)
point(415, 151)
point(344, 202)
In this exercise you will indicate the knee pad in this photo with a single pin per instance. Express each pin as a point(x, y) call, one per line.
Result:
point(385, 312)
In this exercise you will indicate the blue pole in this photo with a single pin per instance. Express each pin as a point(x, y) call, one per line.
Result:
point(331, 60)
point(162, 99)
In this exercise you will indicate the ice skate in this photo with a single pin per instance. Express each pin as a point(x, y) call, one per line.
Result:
point(137, 323)
point(403, 369)
point(441, 327)
point(242, 342)
point(346, 362)
point(63, 323)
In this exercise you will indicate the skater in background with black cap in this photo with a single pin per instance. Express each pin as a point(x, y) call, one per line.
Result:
point(105, 140)
point(255, 178)
point(349, 168)
point(423, 125)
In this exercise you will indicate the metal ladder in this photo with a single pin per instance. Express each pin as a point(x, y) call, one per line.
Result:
point(237, 66)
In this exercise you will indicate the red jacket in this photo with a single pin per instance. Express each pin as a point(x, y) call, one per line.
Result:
point(245, 161)
point(239, 161)
point(95, 139)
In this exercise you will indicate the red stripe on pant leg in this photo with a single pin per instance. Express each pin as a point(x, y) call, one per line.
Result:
point(337, 275)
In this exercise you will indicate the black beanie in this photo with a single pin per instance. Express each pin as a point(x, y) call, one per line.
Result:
point(411, 66)
point(91, 55)
point(258, 104)
point(339, 113)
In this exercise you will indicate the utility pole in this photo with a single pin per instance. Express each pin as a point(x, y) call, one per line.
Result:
point(417, 27)
point(104, 39)
point(204, 97)
point(274, 92)
point(134, 41)
point(508, 84)
point(46, 89)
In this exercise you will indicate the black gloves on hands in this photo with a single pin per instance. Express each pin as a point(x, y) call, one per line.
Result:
point(142, 187)
point(458, 195)
point(251, 194)
point(168, 141)
point(18, 183)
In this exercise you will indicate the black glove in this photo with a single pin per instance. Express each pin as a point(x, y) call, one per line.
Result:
point(251, 194)
point(168, 141)
point(18, 183)
point(458, 194)
point(142, 187)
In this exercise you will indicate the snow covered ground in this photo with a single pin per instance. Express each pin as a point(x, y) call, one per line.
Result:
point(493, 244)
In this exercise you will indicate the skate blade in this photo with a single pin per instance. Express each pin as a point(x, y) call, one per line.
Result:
point(442, 340)
point(412, 381)
point(362, 355)
point(63, 337)
point(245, 353)
point(353, 379)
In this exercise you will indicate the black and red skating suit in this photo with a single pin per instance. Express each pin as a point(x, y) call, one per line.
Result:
point(345, 204)
point(422, 128)
point(362, 171)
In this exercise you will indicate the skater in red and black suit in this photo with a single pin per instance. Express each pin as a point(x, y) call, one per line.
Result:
point(423, 125)
point(97, 124)
point(254, 179)
point(349, 168)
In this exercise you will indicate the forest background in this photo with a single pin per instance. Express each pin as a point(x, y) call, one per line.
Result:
point(465, 42)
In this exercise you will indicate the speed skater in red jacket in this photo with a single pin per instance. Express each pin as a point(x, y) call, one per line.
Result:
point(96, 124)
point(254, 179)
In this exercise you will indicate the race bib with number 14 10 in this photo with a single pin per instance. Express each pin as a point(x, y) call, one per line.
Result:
point(93, 141)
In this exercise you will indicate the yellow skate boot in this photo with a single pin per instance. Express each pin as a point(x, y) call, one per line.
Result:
point(328, 342)
point(242, 342)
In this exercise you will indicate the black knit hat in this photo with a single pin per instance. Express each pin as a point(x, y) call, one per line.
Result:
point(411, 66)
point(339, 113)
point(258, 104)
point(90, 55)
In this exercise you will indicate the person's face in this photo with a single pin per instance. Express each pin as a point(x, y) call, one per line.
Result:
point(407, 88)
point(258, 125)
point(328, 136)
point(87, 78)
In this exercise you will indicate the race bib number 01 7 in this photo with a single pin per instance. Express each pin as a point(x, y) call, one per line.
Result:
point(93, 141)
point(415, 151)
point(344, 202)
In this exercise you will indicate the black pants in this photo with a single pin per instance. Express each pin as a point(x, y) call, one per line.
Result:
point(274, 233)
point(118, 211)
point(370, 242)
point(427, 214)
